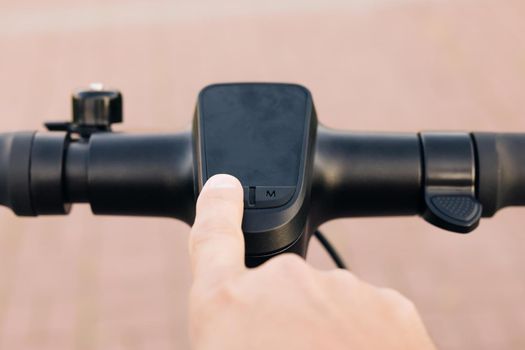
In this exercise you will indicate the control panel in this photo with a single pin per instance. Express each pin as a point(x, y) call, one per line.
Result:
point(271, 153)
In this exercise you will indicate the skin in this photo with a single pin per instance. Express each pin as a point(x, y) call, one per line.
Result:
point(284, 303)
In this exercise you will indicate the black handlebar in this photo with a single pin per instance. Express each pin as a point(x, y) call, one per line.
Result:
point(366, 174)
point(451, 179)
point(120, 174)
point(355, 174)
point(501, 170)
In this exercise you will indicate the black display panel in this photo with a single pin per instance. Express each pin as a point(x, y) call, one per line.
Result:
point(269, 123)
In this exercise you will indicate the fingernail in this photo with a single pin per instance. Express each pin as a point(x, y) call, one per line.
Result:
point(222, 181)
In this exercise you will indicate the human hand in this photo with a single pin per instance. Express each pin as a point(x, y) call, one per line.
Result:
point(284, 303)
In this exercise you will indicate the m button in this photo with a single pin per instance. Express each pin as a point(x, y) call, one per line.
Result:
point(273, 196)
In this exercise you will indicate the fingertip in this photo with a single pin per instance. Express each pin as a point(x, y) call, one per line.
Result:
point(222, 187)
point(222, 181)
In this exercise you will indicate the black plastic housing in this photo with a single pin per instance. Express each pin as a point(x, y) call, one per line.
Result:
point(264, 134)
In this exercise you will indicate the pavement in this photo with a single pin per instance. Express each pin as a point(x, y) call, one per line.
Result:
point(85, 282)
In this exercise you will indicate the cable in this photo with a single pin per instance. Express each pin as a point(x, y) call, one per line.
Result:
point(330, 250)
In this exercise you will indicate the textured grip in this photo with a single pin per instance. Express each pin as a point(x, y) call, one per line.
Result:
point(458, 213)
point(501, 170)
point(461, 208)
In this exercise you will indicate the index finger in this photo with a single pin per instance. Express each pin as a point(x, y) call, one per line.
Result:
point(216, 239)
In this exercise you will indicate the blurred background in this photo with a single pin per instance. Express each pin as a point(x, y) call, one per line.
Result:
point(84, 282)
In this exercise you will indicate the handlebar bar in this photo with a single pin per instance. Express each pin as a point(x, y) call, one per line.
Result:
point(366, 174)
point(451, 179)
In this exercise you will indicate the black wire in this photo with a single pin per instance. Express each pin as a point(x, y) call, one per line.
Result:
point(338, 260)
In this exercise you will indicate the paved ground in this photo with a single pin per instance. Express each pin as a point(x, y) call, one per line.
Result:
point(86, 282)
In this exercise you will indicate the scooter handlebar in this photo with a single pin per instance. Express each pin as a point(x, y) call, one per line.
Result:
point(296, 173)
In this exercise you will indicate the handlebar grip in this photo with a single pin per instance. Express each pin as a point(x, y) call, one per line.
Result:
point(128, 174)
point(501, 170)
point(31, 168)
point(366, 174)
point(15, 186)
point(117, 174)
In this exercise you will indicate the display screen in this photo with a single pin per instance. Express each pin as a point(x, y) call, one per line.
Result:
point(254, 131)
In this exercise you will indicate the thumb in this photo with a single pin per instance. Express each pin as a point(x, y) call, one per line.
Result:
point(216, 239)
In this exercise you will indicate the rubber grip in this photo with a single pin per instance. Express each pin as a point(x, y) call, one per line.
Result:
point(128, 174)
point(15, 162)
point(500, 170)
point(366, 174)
